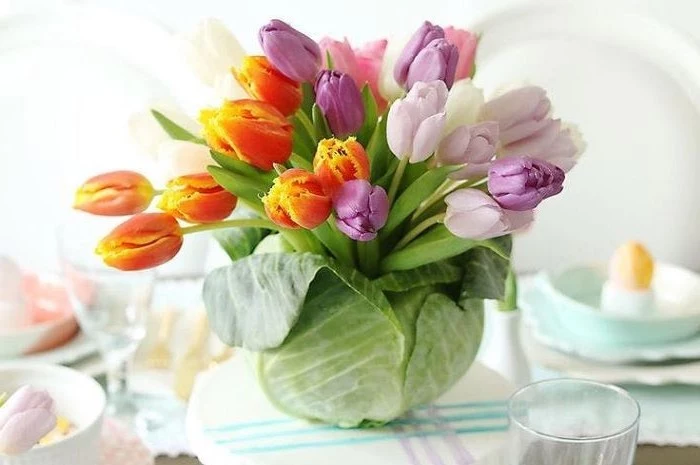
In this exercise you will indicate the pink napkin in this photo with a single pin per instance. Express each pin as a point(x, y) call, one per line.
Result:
point(120, 446)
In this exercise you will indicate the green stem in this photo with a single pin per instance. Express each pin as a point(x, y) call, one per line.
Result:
point(422, 226)
point(237, 223)
point(308, 125)
point(396, 180)
point(300, 162)
point(510, 300)
point(432, 198)
point(158, 192)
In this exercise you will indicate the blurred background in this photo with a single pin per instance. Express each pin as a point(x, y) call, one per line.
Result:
point(626, 71)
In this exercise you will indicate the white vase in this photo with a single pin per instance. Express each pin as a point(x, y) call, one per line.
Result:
point(503, 351)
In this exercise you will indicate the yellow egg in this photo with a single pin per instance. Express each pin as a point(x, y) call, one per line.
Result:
point(631, 267)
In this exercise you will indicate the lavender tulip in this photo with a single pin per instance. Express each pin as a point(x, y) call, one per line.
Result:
point(415, 123)
point(420, 39)
point(24, 419)
point(557, 143)
point(519, 113)
point(473, 214)
point(521, 183)
point(341, 102)
point(294, 54)
point(437, 61)
point(471, 145)
point(360, 209)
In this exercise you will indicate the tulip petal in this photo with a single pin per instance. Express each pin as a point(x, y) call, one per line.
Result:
point(178, 158)
point(427, 137)
point(23, 430)
point(400, 129)
point(464, 105)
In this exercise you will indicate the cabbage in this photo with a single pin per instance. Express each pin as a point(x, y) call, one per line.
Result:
point(329, 344)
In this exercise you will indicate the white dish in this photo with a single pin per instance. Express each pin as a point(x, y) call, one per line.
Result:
point(78, 397)
point(77, 349)
point(37, 338)
point(230, 422)
point(632, 85)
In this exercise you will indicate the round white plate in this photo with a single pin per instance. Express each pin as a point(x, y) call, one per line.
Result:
point(632, 85)
point(77, 349)
point(231, 422)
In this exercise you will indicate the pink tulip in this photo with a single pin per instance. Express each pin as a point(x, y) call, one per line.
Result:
point(466, 43)
point(24, 419)
point(342, 54)
point(369, 64)
point(473, 214)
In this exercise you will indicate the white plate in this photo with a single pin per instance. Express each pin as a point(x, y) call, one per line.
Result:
point(231, 422)
point(77, 349)
point(632, 84)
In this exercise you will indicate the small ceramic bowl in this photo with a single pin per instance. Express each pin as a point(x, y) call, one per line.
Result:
point(575, 295)
point(78, 397)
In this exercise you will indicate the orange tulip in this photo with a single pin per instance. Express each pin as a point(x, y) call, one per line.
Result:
point(114, 194)
point(197, 198)
point(254, 131)
point(338, 161)
point(143, 241)
point(263, 82)
point(296, 199)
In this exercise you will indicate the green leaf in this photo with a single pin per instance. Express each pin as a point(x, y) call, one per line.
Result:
point(378, 151)
point(339, 244)
point(239, 242)
point(341, 364)
point(273, 243)
point(242, 168)
point(370, 105)
point(244, 188)
point(323, 131)
point(412, 197)
point(255, 302)
point(432, 273)
point(446, 342)
point(329, 60)
point(302, 143)
point(308, 97)
point(174, 130)
point(3, 398)
point(485, 273)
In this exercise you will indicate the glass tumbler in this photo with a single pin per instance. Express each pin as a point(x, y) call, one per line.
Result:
point(572, 422)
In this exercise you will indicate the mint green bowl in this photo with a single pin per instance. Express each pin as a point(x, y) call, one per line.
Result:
point(574, 294)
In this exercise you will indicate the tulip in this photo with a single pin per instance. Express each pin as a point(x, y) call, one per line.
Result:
point(144, 241)
point(179, 157)
point(24, 419)
point(520, 113)
point(415, 123)
point(341, 102)
point(369, 64)
point(466, 43)
point(197, 198)
point(254, 131)
point(114, 194)
point(473, 146)
point(464, 105)
point(420, 39)
point(294, 54)
point(521, 183)
point(211, 51)
point(342, 54)
point(437, 61)
point(296, 199)
point(473, 214)
point(556, 143)
point(361, 209)
point(339, 161)
point(263, 82)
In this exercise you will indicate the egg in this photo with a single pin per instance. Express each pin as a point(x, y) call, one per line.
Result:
point(12, 309)
point(628, 288)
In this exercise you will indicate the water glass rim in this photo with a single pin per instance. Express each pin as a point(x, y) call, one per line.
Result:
point(620, 391)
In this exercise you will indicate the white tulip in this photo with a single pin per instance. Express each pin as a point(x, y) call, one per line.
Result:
point(226, 87)
point(177, 158)
point(388, 86)
point(212, 50)
point(148, 134)
point(464, 105)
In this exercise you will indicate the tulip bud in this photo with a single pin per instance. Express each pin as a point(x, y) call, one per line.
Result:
point(632, 267)
point(521, 183)
point(436, 62)
point(197, 198)
point(339, 161)
point(341, 102)
point(473, 214)
point(294, 54)
point(24, 419)
point(254, 131)
point(466, 43)
point(342, 54)
point(144, 241)
point(114, 194)
point(519, 113)
point(296, 199)
point(420, 39)
point(263, 82)
point(473, 146)
point(361, 209)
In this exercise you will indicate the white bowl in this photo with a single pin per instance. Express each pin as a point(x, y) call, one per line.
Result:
point(78, 397)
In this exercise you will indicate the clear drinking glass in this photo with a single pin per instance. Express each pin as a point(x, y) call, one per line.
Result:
point(572, 422)
point(112, 306)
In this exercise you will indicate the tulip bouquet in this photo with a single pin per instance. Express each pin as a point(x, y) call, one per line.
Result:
point(377, 191)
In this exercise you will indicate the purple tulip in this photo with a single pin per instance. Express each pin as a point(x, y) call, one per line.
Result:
point(361, 209)
point(427, 57)
point(471, 145)
point(24, 419)
point(341, 102)
point(293, 54)
point(521, 183)
point(520, 113)
point(473, 214)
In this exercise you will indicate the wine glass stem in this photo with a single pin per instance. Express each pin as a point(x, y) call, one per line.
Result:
point(118, 385)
